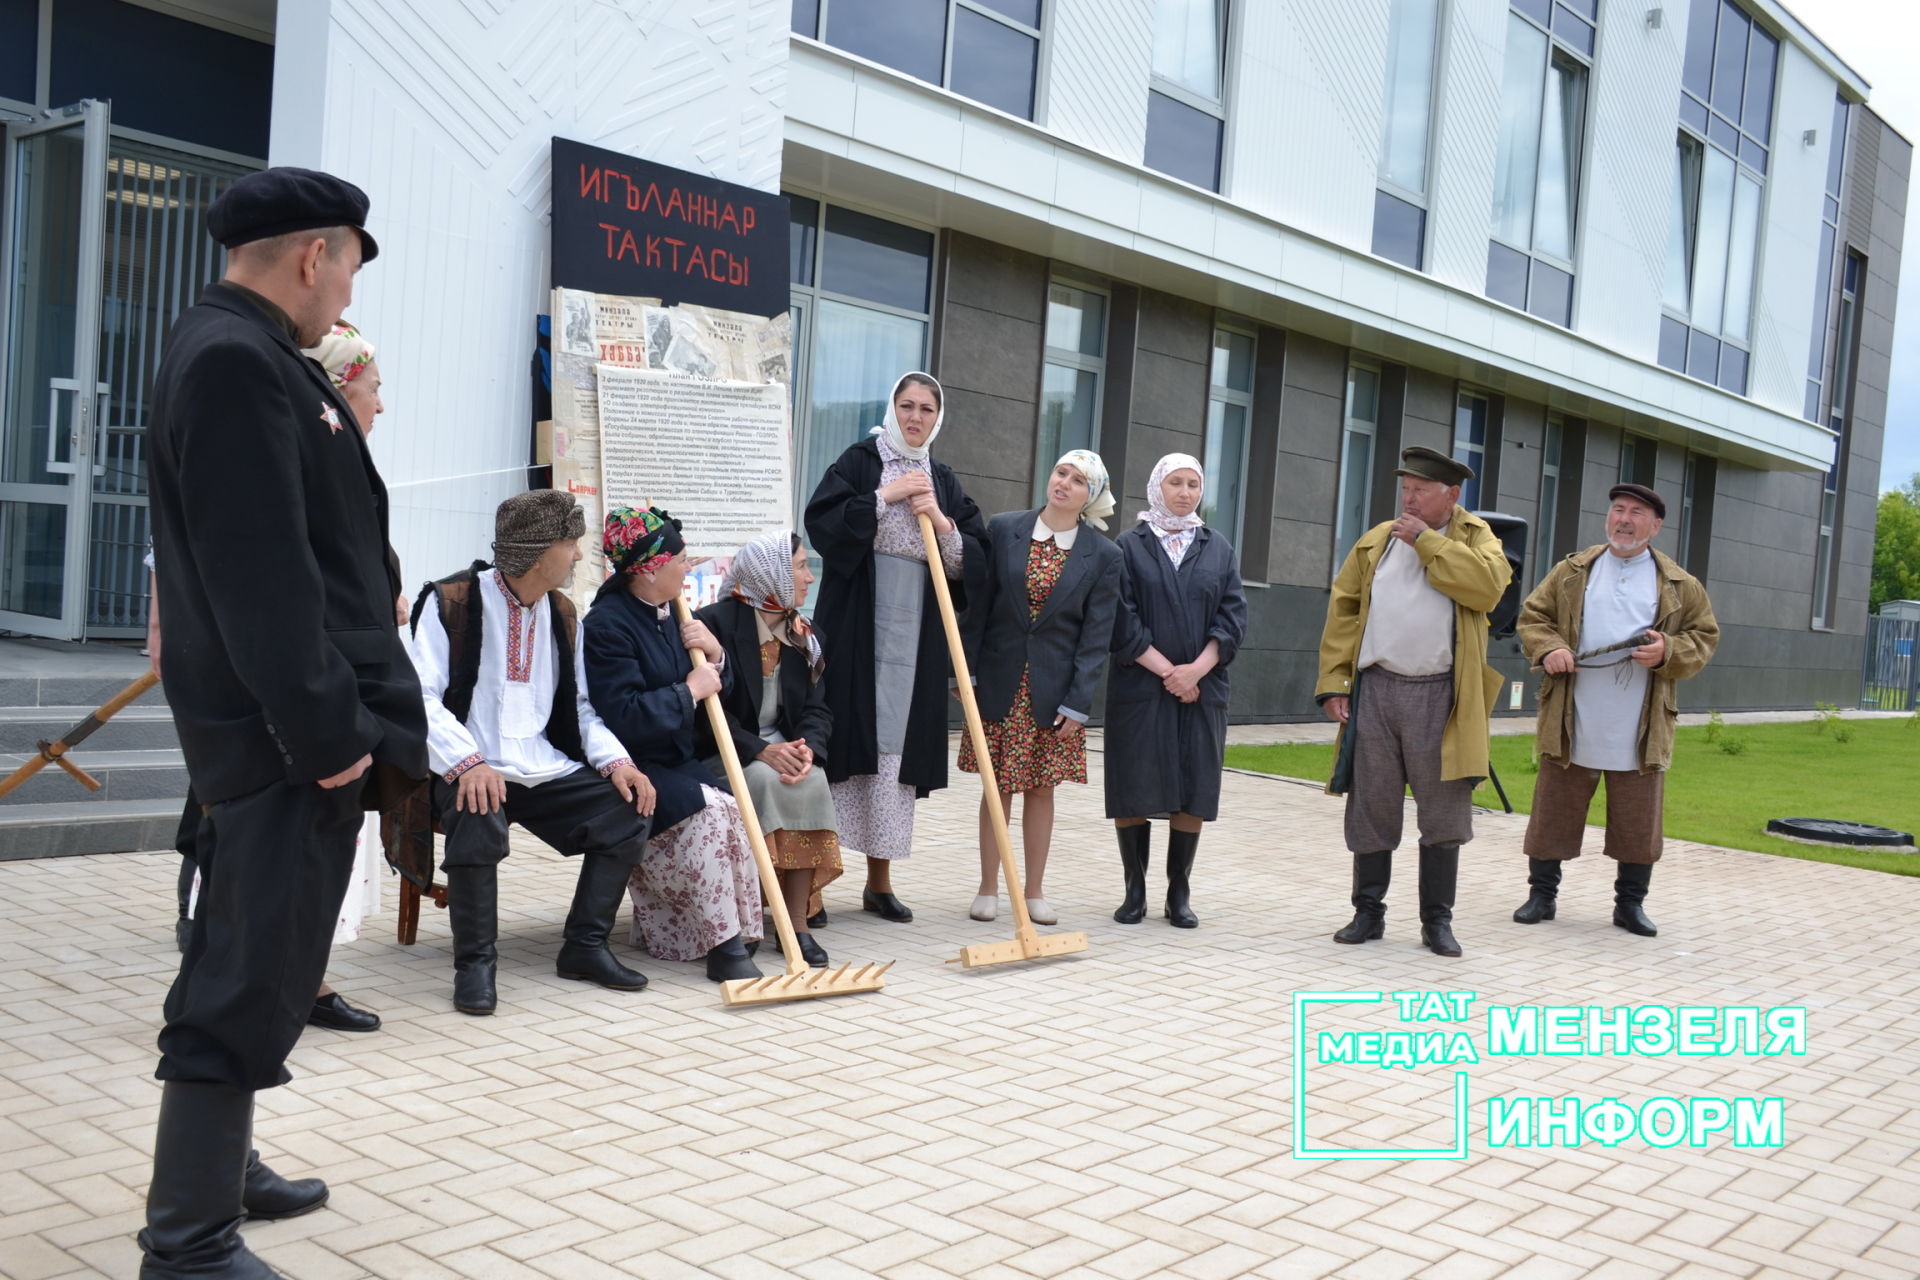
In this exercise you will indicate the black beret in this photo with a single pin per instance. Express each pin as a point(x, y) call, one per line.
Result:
point(1431, 464)
point(281, 200)
point(1641, 494)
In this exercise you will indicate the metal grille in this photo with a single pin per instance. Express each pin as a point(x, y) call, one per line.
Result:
point(1889, 676)
point(158, 258)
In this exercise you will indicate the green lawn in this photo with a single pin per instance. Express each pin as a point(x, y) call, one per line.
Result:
point(1789, 770)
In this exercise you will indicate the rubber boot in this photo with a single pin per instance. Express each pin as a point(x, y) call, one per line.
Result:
point(194, 1207)
point(1180, 850)
point(596, 901)
point(473, 911)
point(1439, 871)
point(1630, 884)
point(268, 1197)
point(1543, 879)
point(1372, 872)
point(1135, 843)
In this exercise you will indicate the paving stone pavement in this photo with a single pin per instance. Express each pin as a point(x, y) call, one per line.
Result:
point(1124, 1113)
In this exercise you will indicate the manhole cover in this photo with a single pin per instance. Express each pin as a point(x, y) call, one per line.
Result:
point(1858, 835)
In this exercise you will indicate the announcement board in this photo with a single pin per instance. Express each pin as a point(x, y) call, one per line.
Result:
point(627, 226)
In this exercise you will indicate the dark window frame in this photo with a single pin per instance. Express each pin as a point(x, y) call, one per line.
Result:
point(821, 13)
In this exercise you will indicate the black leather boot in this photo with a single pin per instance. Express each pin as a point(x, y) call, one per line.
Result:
point(1136, 842)
point(818, 920)
point(730, 960)
point(1630, 884)
point(1439, 871)
point(194, 1207)
point(1372, 872)
point(1543, 880)
point(473, 912)
point(1180, 850)
point(268, 1197)
point(596, 901)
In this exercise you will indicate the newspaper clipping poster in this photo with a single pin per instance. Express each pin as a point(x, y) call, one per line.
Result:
point(713, 453)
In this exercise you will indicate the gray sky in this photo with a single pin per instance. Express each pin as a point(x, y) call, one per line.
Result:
point(1879, 39)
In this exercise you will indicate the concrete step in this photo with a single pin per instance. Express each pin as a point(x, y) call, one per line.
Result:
point(58, 830)
point(140, 727)
point(123, 775)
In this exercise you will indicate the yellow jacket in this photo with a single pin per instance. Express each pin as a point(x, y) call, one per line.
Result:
point(1468, 566)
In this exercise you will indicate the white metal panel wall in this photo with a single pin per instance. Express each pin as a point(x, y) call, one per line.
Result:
point(1784, 309)
point(1100, 59)
point(1634, 112)
point(1305, 106)
point(444, 111)
point(1467, 139)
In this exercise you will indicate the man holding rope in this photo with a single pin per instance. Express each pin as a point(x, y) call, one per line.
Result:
point(1606, 703)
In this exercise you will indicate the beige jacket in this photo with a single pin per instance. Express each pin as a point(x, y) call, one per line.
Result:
point(1550, 619)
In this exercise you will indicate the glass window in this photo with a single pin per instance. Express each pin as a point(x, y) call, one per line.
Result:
point(867, 257)
point(1070, 381)
point(19, 48)
point(1186, 100)
point(995, 49)
point(1720, 164)
point(1356, 459)
point(993, 63)
point(1399, 213)
point(1399, 230)
point(1229, 410)
point(1188, 36)
point(1470, 443)
point(1183, 141)
point(907, 35)
point(1408, 107)
point(803, 238)
point(1536, 185)
point(1823, 275)
point(858, 329)
point(1547, 524)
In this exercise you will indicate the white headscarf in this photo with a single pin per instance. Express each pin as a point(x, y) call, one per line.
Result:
point(1099, 491)
point(1158, 514)
point(762, 575)
point(889, 430)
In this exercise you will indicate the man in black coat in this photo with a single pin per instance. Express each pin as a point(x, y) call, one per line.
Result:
point(294, 698)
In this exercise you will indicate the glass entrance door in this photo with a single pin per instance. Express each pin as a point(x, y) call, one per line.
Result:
point(51, 397)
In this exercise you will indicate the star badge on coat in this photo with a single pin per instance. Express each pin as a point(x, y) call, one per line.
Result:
point(329, 416)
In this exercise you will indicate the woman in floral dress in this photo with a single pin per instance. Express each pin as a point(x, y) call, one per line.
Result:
point(1037, 642)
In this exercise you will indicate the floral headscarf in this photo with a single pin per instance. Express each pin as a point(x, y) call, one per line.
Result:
point(639, 541)
point(761, 575)
point(343, 353)
point(1099, 491)
point(889, 429)
point(1158, 514)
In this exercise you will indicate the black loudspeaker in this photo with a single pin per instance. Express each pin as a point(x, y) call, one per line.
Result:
point(1512, 532)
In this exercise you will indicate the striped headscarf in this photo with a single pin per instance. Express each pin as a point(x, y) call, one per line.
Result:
point(761, 575)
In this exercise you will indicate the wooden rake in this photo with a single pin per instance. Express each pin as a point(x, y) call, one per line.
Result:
point(800, 981)
point(55, 752)
point(1026, 944)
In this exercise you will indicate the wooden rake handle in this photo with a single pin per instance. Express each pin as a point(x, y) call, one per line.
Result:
point(963, 679)
point(55, 752)
point(737, 779)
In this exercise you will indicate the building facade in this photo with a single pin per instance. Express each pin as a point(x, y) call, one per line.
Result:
point(1568, 241)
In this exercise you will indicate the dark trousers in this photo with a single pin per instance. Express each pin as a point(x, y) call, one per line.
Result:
point(185, 840)
point(274, 867)
point(1561, 796)
point(579, 812)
